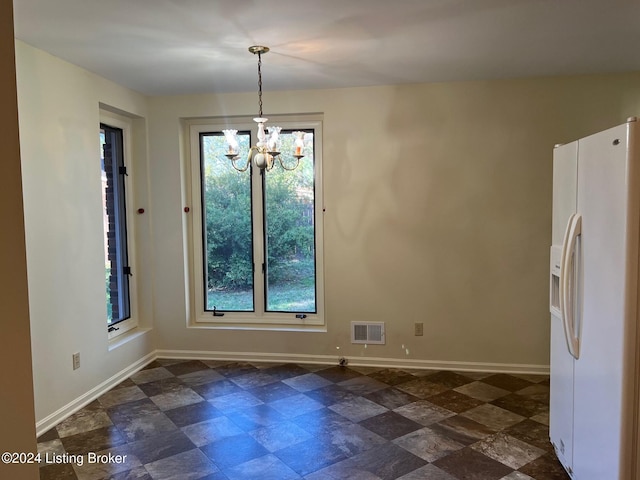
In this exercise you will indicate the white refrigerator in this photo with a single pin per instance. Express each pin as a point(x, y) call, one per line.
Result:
point(593, 422)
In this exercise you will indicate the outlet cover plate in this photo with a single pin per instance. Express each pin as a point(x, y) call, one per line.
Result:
point(76, 360)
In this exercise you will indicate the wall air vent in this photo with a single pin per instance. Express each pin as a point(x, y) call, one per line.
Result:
point(368, 332)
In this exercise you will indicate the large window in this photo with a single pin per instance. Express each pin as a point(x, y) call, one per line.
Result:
point(116, 239)
point(257, 250)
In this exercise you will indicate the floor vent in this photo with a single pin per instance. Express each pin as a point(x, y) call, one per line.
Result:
point(371, 333)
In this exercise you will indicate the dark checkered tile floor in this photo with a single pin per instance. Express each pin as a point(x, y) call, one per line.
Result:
point(239, 421)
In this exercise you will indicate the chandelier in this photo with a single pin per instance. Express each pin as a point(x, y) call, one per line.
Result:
point(267, 149)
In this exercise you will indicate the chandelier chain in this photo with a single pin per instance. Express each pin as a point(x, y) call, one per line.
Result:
point(260, 84)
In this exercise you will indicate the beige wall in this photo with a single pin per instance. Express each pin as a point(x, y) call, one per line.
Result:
point(438, 210)
point(16, 401)
point(59, 129)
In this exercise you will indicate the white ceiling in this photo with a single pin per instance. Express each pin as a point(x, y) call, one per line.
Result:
point(162, 47)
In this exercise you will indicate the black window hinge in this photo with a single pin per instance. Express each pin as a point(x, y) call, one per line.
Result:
point(127, 271)
point(301, 316)
point(264, 267)
point(123, 171)
point(217, 313)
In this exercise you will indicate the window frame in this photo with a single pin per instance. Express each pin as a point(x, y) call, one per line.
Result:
point(124, 124)
point(260, 318)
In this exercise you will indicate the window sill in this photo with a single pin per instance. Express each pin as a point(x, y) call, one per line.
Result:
point(256, 326)
point(127, 337)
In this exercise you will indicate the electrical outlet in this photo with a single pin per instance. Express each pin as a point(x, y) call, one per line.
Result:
point(419, 329)
point(76, 360)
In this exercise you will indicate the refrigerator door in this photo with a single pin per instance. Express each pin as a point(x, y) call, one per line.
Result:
point(565, 177)
point(598, 382)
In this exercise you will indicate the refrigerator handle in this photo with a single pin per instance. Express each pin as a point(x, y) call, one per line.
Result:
point(563, 273)
point(568, 284)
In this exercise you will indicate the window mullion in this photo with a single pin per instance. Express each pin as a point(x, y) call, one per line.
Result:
point(259, 258)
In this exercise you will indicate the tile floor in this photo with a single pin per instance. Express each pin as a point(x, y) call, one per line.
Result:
point(214, 420)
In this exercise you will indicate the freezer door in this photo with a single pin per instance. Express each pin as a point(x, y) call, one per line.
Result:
point(565, 181)
point(565, 178)
point(561, 401)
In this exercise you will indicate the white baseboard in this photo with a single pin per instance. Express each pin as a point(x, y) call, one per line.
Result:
point(72, 407)
point(69, 409)
point(356, 361)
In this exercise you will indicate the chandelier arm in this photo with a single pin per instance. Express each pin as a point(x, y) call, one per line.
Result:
point(287, 168)
point(246, 166)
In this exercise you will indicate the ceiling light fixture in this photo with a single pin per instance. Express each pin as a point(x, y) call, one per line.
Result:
point(267, 149)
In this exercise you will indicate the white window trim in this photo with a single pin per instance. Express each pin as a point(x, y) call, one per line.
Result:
point(126, 125)
point(259, 319)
